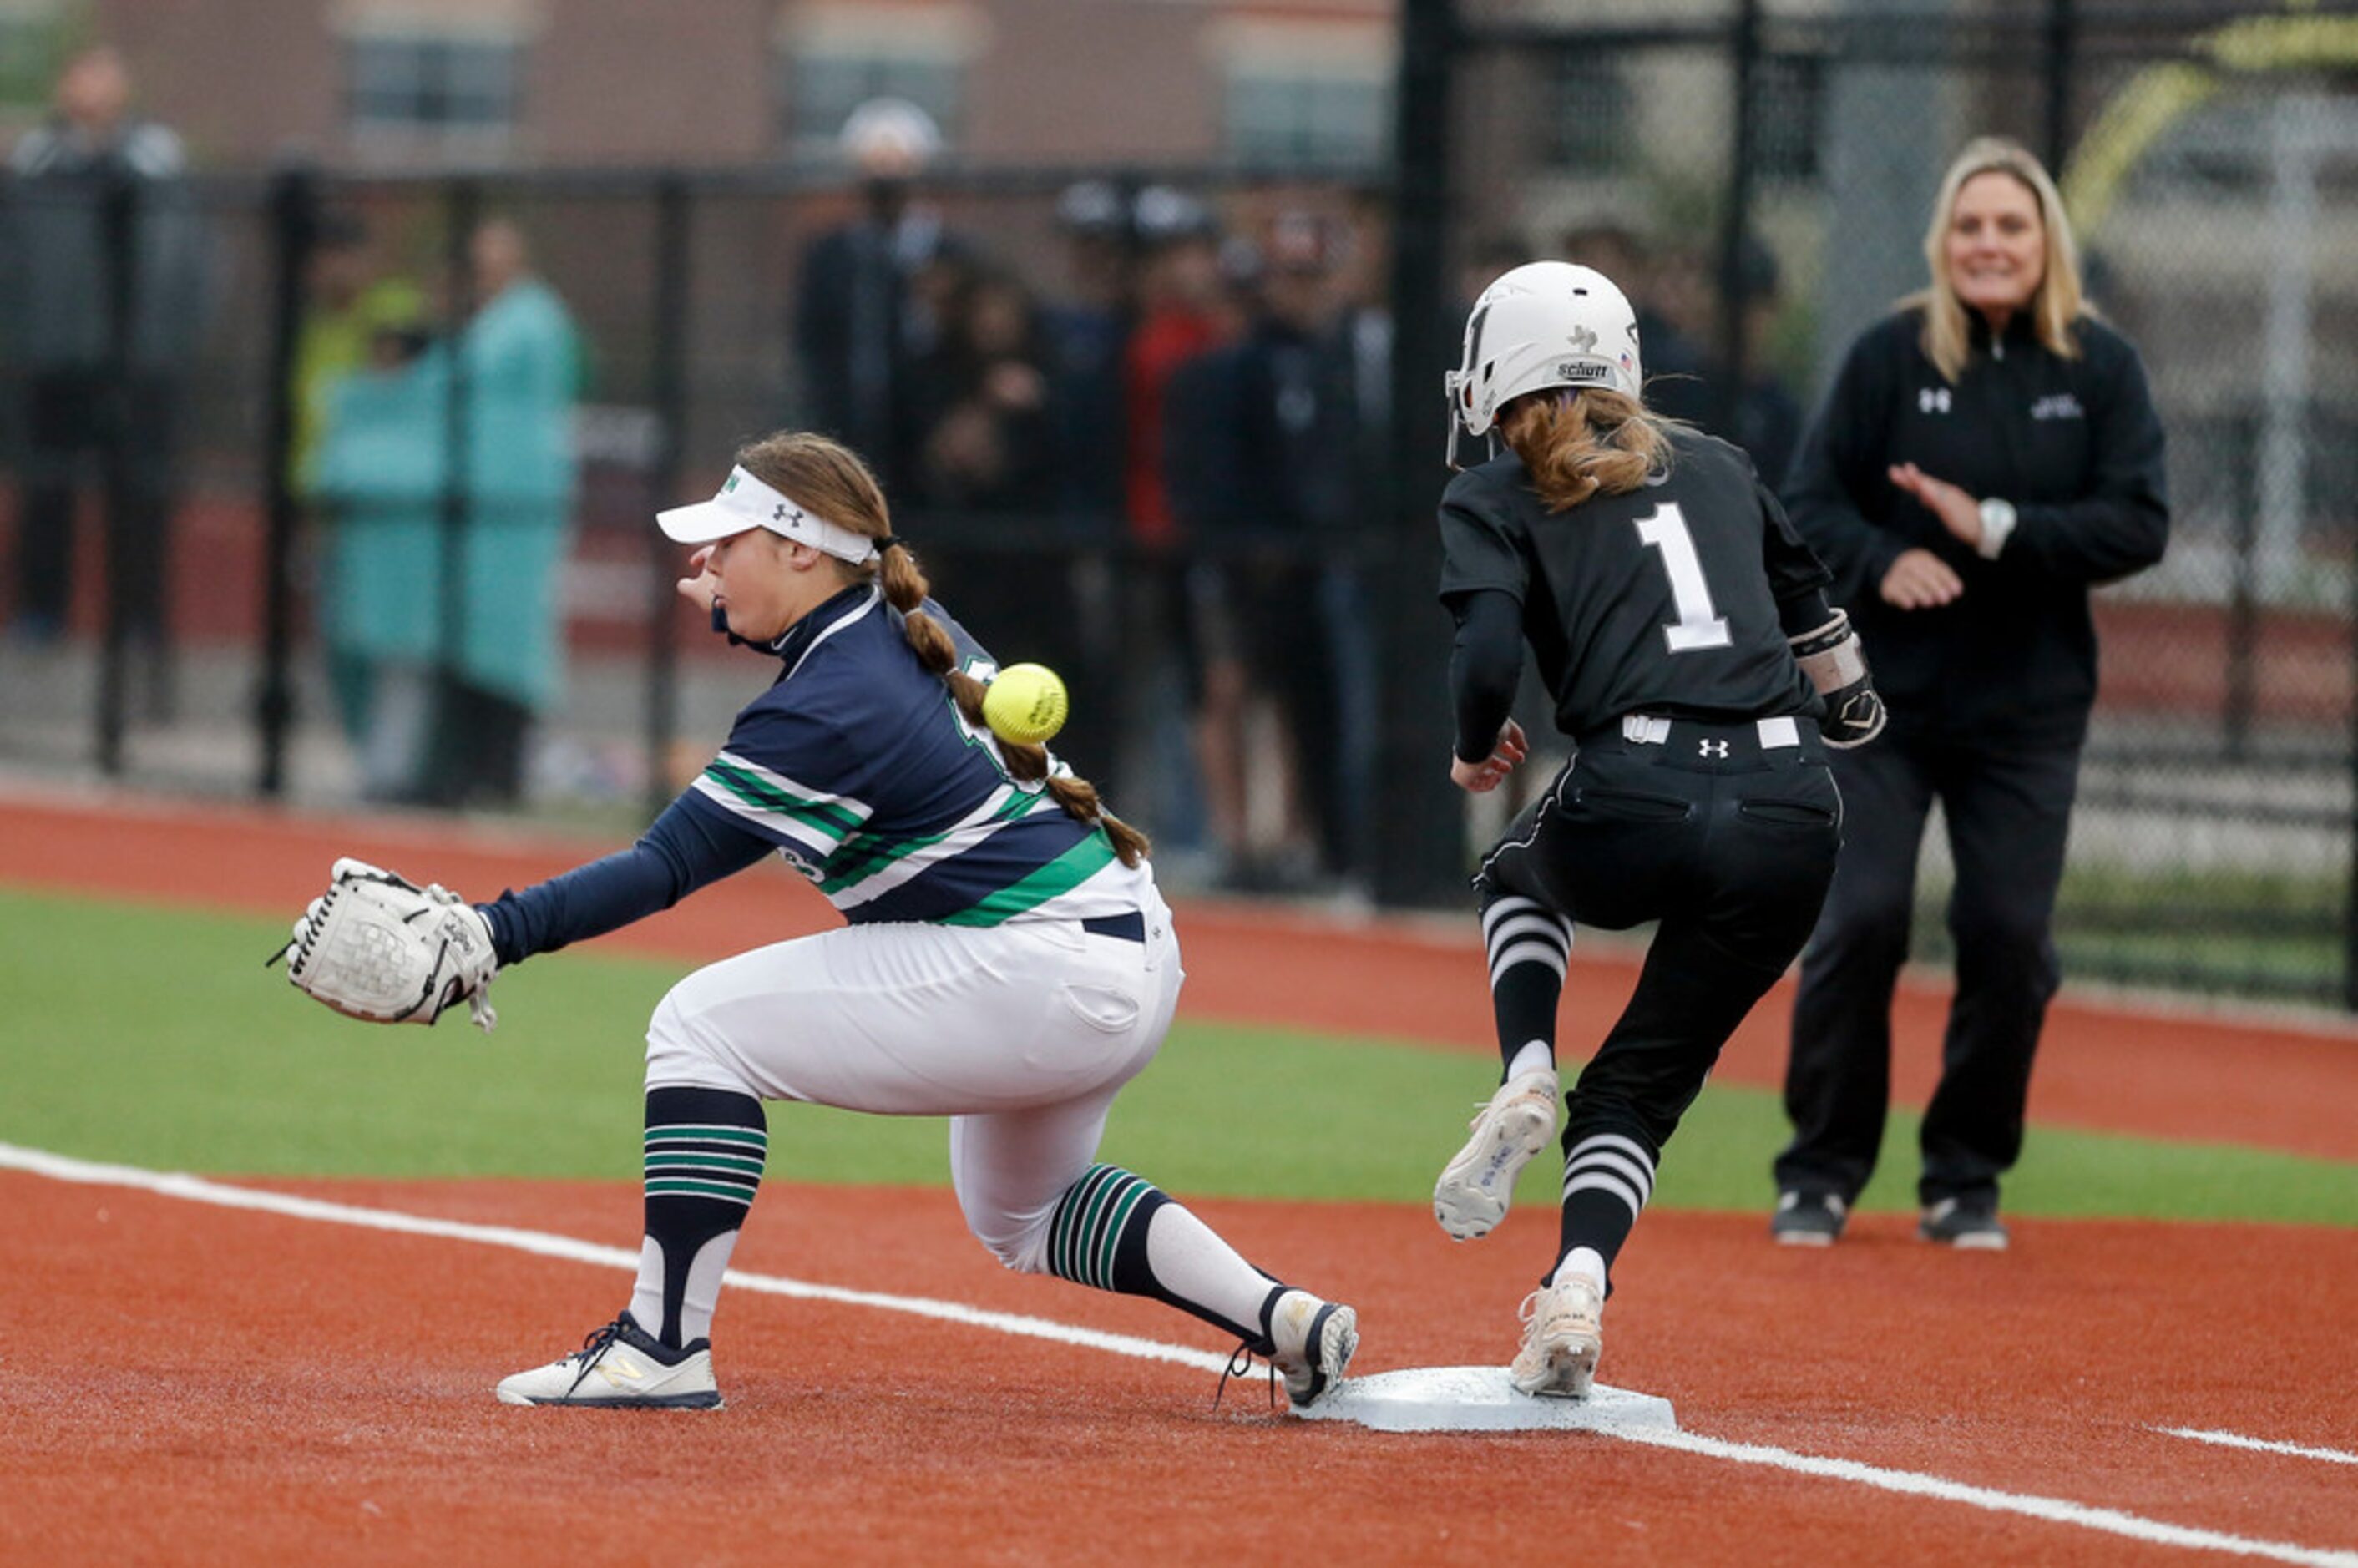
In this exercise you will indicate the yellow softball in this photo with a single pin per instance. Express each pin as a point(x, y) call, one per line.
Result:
point(1025, 704)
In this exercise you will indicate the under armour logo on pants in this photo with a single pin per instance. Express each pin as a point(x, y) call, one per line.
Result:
point(1707, 746)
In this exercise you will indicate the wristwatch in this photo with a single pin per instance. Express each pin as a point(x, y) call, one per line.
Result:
point(1998, 523)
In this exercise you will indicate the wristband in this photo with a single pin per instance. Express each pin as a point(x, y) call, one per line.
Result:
point(1998, 519)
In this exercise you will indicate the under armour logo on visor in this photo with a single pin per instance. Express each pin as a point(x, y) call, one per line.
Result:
point(1708, 745)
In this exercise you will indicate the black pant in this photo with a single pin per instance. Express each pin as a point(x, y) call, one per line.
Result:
point(2007, 808)
point(1729, 846)
point(72, 413)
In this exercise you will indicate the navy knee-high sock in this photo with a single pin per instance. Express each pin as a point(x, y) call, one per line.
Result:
point(704, 1153)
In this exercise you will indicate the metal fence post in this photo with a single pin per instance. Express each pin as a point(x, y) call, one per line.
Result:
point(673, 214)
point(118, 219)
point(294, 211)
point(1419, 856)
point(2062, 62)
point(1735, 227)
point(462, 212)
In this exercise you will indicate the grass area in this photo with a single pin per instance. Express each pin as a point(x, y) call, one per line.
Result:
point(208, 1062)
point(2218, 929)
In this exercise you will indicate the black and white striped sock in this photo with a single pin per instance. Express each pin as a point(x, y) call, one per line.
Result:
point(1529, 945)
point(1607, 1177)
point(704, 1153)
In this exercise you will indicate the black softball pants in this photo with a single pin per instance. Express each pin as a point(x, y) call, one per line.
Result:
point(1729, 845)
point(2008, 809)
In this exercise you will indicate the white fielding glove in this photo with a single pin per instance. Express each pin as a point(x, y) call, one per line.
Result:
point(378, 946)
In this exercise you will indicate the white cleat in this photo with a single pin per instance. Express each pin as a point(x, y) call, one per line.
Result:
point(1476, 1187)
point(1562, 1336)
point(620, 1366)
point(1313, 1341)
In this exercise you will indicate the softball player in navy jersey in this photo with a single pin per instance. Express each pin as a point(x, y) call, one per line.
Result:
point(1682, 627)
point(1007, 961)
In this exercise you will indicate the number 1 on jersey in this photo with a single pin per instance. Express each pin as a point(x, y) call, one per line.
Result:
point(1698, 625)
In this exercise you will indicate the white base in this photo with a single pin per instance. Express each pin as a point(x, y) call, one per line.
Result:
point(1479, 1398)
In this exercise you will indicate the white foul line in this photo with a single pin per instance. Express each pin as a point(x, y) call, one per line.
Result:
point(2237, 1440)
point(196, 1189)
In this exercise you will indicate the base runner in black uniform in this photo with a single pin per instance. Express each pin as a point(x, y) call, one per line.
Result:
point(1681, 626)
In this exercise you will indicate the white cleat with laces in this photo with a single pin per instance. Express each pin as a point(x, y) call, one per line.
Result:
point(620, 1366)
point(1562, 1336)
point(1476, 1187)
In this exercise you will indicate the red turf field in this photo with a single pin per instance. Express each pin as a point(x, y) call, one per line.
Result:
point(185, 1383)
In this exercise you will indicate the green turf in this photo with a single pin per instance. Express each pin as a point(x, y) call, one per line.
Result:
point(156, 1038)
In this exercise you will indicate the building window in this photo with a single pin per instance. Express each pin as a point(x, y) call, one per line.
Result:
point(823, 83)
point(463, 86)
point(1286, 116)
point(1589, 115)
point(32, 52)
point(1788, 101)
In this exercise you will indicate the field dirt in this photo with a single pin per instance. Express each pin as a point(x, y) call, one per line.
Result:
point(185, 1384)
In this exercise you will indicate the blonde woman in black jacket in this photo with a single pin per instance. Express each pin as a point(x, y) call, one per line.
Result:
point(1988, 453)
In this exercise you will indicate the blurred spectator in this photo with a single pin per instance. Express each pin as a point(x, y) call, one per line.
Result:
point(1085, 331)
point(1675, 366)
point(450, 670)
point(352, 319)
point(1261, 469)
point(1767, 414)
point(980, 402)
point(102, 327)
point(1182, 310)
point(862, 316)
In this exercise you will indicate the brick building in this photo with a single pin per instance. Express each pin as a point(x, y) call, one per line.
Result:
point(381, 84)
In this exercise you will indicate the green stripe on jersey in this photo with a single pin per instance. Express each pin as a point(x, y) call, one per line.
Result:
point(830, 819)
point(864, 856)
point(1061, 875)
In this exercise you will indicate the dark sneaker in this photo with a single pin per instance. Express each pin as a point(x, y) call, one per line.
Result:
point(1807, 1219)
point(1964, 1223)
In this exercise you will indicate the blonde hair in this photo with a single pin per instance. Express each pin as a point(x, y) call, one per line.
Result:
point(829, 478)
point(1584, 443)
point(2059, 301)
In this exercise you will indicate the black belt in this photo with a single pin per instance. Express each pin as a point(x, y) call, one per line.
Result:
point(1130, 928)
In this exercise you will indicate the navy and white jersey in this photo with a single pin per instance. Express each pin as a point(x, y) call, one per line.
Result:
point(859, 767)
point(1664, 600)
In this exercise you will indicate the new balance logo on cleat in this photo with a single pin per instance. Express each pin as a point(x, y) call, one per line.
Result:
point(620, 1366)
point(1477, 1185)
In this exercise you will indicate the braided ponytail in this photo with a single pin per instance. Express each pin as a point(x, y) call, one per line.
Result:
point(828, 477)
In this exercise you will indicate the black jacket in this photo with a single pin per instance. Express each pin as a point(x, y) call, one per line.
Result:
point(2073, 443)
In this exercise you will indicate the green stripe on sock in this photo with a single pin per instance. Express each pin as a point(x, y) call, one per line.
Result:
point(705, 1163)
point(1064, 1250)
point(1127, 1203)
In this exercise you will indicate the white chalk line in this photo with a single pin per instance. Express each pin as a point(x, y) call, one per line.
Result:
point(2260, 1444)
point(2056, 1510)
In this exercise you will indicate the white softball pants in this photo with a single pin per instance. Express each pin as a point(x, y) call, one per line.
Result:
point(1021, 1033)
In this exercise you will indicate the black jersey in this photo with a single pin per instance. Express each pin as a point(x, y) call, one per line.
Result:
point(1665, 601)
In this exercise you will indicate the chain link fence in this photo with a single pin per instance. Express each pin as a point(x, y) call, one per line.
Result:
point(1764, 171)
point(2206, 155)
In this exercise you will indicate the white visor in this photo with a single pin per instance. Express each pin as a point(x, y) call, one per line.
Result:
point(745, 502)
